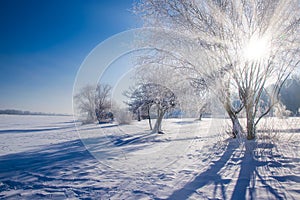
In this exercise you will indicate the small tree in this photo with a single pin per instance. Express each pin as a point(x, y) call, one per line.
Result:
point(164, 99)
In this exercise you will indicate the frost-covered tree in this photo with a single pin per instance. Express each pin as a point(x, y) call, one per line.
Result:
point(280, 111)
point(103, 102)
point(161, 83)
point(238, 48)
point(139, 103)
point(85, 103)
point(153, 95)
point(164, 99)
point(93, 102)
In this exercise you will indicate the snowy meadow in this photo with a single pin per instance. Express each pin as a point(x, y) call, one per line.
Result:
point(200, 102)
point(45, 157)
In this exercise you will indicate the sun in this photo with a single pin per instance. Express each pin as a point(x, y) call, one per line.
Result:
point(257, 48)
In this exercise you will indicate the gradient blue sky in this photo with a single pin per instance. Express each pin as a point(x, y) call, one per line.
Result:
point(43, 43)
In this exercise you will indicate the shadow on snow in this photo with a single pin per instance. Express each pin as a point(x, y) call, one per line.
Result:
point(209, 176)
point(58, 168)
point(33, 130)
point(245, 185)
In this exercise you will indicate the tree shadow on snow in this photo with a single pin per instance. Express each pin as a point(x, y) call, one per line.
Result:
point(209, 176)
point(259, 163)
point(249, 174)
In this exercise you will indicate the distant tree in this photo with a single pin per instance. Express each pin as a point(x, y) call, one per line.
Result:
point(85, 103)
point(93, 102)
point(290, 94)
point(103, 103)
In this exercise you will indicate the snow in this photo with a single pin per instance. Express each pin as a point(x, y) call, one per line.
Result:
point(47, 157)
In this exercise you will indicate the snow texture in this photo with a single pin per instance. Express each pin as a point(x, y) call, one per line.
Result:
point(44, 157)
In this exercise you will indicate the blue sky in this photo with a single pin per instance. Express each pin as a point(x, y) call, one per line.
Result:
point(44, 42)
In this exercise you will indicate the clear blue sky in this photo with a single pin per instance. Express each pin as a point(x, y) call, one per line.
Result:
point(43, 43)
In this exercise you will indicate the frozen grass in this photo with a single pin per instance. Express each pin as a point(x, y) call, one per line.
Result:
point(44, 157)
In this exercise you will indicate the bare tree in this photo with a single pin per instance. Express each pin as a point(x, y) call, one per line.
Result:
point(93, 102)
point(85, 103)
point(237, 47)
point(103, 102)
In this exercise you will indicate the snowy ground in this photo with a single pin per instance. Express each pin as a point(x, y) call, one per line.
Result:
point(44, 157)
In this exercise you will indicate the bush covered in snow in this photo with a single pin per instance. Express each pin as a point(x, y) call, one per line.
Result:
point(123, 116)
point(280, 111)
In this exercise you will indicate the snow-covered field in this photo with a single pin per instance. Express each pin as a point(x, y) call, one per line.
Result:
point(46, 157)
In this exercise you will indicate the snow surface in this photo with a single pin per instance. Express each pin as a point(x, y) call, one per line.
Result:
point(46, 157)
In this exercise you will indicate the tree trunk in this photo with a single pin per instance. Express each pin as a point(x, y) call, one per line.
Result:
point(149, 118)
point(139, 114)
point(200, 117)
point(250, 124)
point(250, 129)
point(157, 126)
point(236, 126)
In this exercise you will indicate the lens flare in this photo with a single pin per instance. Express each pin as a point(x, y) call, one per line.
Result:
point(257, 48)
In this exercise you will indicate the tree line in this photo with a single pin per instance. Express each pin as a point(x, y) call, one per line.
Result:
point(21, 112)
